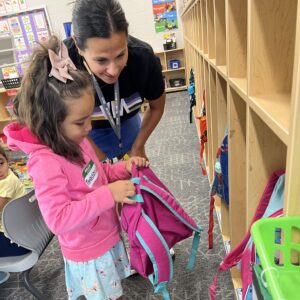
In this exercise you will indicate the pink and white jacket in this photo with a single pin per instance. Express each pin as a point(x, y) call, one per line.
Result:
point(80, 211)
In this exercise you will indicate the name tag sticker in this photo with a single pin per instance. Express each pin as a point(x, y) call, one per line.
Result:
point(90, 173)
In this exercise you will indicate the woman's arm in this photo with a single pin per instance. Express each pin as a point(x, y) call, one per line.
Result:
point(150, 120)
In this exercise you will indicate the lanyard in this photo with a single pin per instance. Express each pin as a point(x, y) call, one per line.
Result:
point(116, 126)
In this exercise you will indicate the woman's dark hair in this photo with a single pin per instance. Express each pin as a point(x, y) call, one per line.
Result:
point(97, 18)
point(3, 153)
point(41, 101)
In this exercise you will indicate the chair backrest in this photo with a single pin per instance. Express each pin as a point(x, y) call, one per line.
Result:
point(24, 225)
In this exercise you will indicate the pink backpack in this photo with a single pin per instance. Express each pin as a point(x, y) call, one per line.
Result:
point(243, 254)
point(155, 224)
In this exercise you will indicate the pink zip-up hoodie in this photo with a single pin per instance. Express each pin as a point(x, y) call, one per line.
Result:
point(74, 200)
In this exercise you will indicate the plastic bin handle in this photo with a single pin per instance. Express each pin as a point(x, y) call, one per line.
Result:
point(263, 273)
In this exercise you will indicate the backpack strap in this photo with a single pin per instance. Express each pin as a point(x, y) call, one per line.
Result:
point(203, 137)
point(158, 251)
point(211, 222)
point(159, 193)
point(194, 251)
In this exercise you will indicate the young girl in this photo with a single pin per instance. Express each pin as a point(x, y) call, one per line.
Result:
point(10, 188)
point(77, 194)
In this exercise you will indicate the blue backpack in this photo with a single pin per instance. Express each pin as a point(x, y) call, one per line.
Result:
point(220, 185)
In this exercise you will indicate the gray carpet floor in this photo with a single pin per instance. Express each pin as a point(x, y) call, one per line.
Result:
point(173, 150)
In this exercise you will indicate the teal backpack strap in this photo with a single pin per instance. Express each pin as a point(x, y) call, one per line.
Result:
point(137, 197)
point(158, 252)
point(195, 245)
point(161, 288)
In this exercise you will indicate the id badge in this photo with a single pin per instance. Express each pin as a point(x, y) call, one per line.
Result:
point(90, 173)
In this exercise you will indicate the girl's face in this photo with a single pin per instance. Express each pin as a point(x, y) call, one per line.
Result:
point(3, 167)
point(106, 57)
point(77, 124)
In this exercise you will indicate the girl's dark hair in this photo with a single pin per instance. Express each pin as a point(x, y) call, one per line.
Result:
point(41, 101)
point(2, 151)
point(97, 18)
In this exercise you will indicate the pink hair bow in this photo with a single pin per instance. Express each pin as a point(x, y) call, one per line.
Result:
point(60, 63)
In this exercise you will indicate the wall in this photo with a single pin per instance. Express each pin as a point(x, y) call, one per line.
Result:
point(138, 13)
point(141, 23)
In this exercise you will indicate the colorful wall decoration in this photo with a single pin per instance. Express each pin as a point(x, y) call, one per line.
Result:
point(27, 28)
point(10, 6)
point(165, 15)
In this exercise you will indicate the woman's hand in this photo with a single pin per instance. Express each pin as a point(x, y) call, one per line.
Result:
point(138, 161)
point(121, 190)
point(135, 151)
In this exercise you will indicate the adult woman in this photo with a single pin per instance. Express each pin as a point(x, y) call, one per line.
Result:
point(125, 72)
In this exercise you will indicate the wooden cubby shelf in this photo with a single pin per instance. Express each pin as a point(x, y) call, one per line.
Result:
point(173, 73)
point(220, 29)
point(237, 117)
point(246, 58)
point(237, 43)
point(211, 30)
point(266, 153)
point(271, 61)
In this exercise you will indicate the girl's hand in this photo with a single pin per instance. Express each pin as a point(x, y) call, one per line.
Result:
point(138, 161)
point(121, 190)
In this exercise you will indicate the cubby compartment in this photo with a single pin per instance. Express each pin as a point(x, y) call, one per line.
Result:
point(272, 46)
point(204, 26)
point(197, 29)
point(162, 58)
point(266, 154)
point(199, 26)
point(194, 28)
point(237, 43)
point(221, 87)
point(211, 30)
point(209, 150)
point(214, 115)
point(220, 29)
point(221, 123)
point(198, 84)
point(237, 113)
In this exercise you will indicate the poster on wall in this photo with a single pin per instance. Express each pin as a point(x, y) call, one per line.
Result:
point(9, 6)
point(2, 7)
point(4, 28)
point(22, 4)
point(27, 28)
point(165, 15)
point(15, 5)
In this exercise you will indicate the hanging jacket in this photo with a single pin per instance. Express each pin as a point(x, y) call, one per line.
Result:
point(79, 210)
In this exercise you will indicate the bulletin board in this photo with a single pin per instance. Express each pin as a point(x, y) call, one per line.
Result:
point(27, 28)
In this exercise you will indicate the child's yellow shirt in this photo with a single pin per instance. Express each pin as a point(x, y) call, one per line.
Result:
point(10, 187)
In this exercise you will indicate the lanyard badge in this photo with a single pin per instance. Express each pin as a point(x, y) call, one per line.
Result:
point(115, 124)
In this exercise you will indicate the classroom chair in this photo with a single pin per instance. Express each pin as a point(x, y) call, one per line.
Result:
point(24, 225)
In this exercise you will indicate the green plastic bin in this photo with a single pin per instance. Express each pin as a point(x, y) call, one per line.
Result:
point(275, 246)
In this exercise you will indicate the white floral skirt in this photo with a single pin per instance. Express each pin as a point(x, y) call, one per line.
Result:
point(99, 278)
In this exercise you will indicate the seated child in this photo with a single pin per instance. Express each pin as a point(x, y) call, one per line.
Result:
point(10, 188)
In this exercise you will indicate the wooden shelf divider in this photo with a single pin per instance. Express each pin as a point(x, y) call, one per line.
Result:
point(246, 58)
